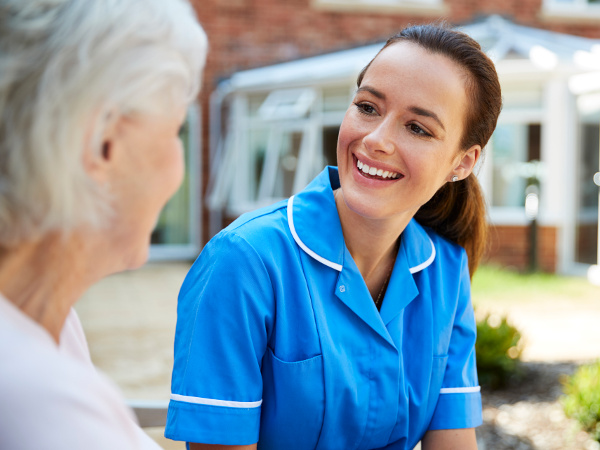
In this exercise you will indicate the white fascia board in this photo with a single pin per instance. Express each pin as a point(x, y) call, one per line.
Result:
point(341, 65)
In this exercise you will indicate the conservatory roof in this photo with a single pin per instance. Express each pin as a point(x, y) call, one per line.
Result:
point(502, 40)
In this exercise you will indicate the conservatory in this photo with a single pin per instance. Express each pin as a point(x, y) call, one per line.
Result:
point(274, 128)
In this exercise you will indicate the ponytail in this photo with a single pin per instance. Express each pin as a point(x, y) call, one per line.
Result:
point(457, 212)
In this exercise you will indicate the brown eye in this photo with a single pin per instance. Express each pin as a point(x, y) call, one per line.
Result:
point(416, 129)
point(365, 108)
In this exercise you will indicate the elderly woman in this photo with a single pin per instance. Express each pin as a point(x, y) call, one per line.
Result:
point(92, 96)
point(341, 318)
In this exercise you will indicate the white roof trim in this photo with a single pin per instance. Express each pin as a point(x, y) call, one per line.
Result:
point(426, 263)
point(213, 402)
point(498, 36)
point(460, 390)
point(290, 214)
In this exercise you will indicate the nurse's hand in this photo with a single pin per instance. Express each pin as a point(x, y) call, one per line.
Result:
point(221, 447)
point(462, 439)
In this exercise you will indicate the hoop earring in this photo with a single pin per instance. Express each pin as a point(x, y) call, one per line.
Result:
point(454, 178)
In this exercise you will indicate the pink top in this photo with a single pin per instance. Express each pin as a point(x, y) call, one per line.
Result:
point(52, 396)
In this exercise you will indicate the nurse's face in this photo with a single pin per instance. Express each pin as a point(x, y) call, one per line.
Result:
point(399, 140)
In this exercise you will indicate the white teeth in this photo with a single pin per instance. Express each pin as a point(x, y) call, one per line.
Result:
point(374, 171)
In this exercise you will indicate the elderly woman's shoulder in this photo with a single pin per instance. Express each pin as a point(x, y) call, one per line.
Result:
point(50, 400)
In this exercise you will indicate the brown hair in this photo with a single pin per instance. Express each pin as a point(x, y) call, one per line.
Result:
point(457, 210)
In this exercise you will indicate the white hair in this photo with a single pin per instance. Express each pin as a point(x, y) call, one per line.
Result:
point(67, 68)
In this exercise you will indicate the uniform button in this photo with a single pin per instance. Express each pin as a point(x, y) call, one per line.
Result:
point(342, 288)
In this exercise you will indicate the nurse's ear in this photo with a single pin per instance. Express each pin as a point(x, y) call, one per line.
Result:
point(465, 164)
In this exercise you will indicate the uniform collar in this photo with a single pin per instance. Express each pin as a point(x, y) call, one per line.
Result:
point(315, 225)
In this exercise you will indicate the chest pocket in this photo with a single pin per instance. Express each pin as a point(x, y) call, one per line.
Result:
point(293, 403)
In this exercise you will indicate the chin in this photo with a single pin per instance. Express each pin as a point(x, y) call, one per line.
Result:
point(366, 206)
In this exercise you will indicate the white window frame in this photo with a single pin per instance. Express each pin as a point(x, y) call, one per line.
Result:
point(506, 215)
point(576, 10)
point(419, 7)
point(189, 250)
point(230, 186)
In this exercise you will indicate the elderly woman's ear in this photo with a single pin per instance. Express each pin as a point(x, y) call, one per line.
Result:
point(97, 162)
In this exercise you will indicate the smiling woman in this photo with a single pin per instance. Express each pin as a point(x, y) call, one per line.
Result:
point(335, 319)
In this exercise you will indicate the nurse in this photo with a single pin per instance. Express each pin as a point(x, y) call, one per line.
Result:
point(341, 318)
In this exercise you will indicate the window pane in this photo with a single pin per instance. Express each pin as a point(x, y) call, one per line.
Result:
point(336, 99)
point(589, 166)
point(288, 162)
point(510, 149)
point(254, 103)
point(330, 137)
point(258, 146)
point(587, 217)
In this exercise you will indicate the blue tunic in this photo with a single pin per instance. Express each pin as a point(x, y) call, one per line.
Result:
point(279, 341)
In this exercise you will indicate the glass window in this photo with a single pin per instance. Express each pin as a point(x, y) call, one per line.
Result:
point(336, 99)
point(287, 164)
point(515, 147)
point(274, 144)
point(567, 4)
point(587, 217)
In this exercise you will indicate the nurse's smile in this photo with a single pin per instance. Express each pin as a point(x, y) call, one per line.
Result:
point(376, 170)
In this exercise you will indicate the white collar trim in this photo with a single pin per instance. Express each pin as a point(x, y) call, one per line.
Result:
point(338, 267)
point(426, 263)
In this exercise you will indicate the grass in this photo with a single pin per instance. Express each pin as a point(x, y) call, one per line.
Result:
point(491, 284)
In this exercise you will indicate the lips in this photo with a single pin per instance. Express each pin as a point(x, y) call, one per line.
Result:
point(377, 173)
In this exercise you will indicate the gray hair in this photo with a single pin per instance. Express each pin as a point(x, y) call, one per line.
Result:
point(67, 69)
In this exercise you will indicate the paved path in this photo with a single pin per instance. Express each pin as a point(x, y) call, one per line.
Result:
point(129, 320)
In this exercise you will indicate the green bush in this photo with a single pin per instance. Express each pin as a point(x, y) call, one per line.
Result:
point(582, 398)
point(498, 350)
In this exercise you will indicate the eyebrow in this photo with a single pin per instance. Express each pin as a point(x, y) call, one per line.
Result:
point(425, 112)
point(414, 109)
point(371, 90)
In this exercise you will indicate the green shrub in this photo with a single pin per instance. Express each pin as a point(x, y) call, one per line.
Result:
point(582, 398)
point(498, 350)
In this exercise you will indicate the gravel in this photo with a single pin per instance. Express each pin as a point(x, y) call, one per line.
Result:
point(527, 414)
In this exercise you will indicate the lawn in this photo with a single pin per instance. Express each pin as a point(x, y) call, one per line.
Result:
point(492, 284)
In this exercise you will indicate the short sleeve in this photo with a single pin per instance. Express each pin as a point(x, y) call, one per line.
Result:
point(224, 314)
point(459, 403)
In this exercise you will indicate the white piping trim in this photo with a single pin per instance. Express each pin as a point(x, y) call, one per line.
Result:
point(213, 402)
point(322, 260)
point(462, 390)
point(426, 263)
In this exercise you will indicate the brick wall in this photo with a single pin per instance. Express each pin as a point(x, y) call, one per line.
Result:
point(510, 246)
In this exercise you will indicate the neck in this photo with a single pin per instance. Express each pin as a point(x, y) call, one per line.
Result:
point(371, 242)
point(45, 278)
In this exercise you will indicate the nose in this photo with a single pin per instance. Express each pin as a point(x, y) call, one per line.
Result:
point(382, 138)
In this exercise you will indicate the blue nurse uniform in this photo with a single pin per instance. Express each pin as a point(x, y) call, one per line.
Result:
point(279, 341)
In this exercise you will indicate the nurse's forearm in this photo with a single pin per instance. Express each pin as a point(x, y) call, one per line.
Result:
point(462, 439)
point(221, 447)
